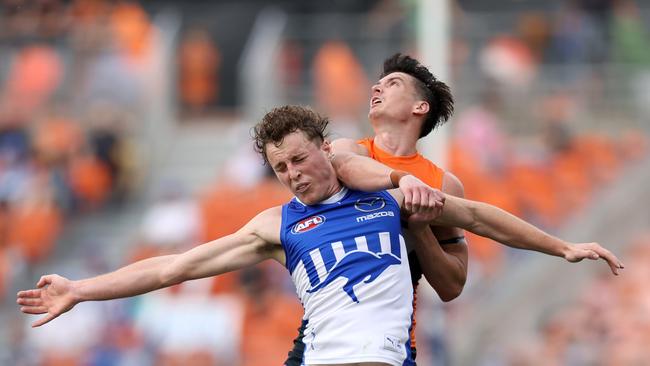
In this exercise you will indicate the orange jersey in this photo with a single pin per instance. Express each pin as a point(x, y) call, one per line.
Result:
point(427, 172)
point(415, 164)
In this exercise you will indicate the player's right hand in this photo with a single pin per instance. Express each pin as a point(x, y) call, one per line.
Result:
point(53, 297)
point(420, 198)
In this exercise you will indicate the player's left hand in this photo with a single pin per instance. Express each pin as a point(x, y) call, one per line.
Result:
point(419, 198)
point(593, 251)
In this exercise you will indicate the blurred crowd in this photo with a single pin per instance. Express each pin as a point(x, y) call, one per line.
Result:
point(66, 121)
point(609, 323)
point(522, 138)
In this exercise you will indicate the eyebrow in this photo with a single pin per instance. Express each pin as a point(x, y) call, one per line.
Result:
point(398, 77)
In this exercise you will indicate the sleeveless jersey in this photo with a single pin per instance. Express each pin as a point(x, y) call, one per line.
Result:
point(349, 265)
point(415, 164)
point(427, 172)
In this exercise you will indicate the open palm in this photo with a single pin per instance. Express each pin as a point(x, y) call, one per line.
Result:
point(53, 296)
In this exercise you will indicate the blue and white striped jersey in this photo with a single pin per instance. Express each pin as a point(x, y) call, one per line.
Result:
point(349, 264)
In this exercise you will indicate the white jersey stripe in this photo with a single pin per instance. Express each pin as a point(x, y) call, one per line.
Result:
point(319, 264)
point(339, 252)
point(384, 241)
point(298, 275)
point(362, 244)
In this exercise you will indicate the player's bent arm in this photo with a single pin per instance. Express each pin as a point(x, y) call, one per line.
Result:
point(444, 266)
point(257, 241)
point(443, 270)
point(362, 173)
point(345, 145)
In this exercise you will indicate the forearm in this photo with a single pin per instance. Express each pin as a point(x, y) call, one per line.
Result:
point(515, 232)
point(444, 272)
point(362, 173)
point(135, 279)
point(494, 223)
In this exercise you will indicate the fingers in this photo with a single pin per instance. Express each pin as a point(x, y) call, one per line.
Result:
point(33, 309)
point(29, 301)
point(43, 320)
point(614, 263)
point(416, 204)
point(608, 256)
point(29, 293)
point(45, 280)
point(408, 199)
point(594, 251)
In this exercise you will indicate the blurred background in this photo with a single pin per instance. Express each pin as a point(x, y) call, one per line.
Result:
point(125, 133)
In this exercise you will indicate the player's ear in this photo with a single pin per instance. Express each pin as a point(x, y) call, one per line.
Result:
point(421, 108)
point(326, 146)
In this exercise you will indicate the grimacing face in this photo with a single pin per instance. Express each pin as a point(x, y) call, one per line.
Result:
point(394, 96)
point(303, 166)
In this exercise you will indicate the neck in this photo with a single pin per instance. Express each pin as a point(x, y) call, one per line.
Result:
point(396, 139)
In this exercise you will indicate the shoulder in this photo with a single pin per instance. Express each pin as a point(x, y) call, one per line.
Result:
point(266, 225)
point(452, 185)
point(350, 146)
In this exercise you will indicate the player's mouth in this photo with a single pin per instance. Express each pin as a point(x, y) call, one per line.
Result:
point(375, 101)
point(301, 187)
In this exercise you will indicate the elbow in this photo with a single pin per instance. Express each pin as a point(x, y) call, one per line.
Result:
point(451, 293)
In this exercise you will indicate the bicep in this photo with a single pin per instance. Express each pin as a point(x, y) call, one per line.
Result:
point(223, 255)
point(257, 241)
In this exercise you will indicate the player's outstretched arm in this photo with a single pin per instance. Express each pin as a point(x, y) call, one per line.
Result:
point(492, 222)
point(257, 241)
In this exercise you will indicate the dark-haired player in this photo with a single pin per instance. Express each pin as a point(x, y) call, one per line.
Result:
point(407, 103)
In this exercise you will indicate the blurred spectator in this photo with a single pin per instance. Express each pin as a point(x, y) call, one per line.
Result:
point(291, 64)
point(270, 321)
point(574, 36)
point(89, 179)
point(630, 38)
point(508, 61)
point(535, 31)
point(479, 128)
point(199, 62)
point(173, 222)
point(341, 88)
point(35, 74)
point(34, 220)
point(198, 329)
point(131, 28)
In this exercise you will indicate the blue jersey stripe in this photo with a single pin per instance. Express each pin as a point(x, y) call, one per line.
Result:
point(328, 256)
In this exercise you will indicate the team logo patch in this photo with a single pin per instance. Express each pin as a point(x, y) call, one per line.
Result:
point(358, 266)
point(370, 204)
point(308, 224)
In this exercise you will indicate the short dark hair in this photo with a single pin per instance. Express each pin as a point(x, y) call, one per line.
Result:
point(432, 90)
point(281, 121)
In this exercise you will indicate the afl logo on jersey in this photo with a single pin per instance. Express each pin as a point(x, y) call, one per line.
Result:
point(370, 204)
point(308, 224)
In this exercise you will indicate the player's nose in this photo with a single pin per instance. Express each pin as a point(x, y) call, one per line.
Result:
point(376, 89)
